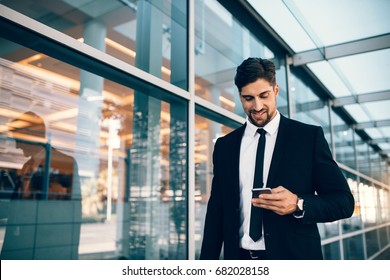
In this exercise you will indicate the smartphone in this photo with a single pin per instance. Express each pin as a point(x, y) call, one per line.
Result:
point(257, 191)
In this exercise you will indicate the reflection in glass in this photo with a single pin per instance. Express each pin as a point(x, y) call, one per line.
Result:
point(372, 242)
point(131, 153)
point(383, 237)
point(328, 229)
point(158, 181)
point(221, 44)
point(353, 248)
point(368, 198)
point(132, 31)
point(355, 222)
point(331, 251)
point(206, 133)
point(384, 201)
point(307, 106)
point(43, 197)
point(343, 141)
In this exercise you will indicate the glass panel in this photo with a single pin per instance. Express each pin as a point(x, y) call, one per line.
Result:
point(357, 113)
point(206, 133)
point(353, 248)
point(355, 222)
point(384, 240)
point(368, 198)
point(343, 139)
point(363, 158)
point(221, 44)
point(384, 205)
point(331, 251)
point(328, 229)
point(375, 165)
point(378, 110)
point(372, 242)
point(314, 17)
point(142, 33)
point(388, 232)
point(115, 151)
point(327, 75)
point(352, 66)
point(284, 23)
point(307, 107)
point(345, 26)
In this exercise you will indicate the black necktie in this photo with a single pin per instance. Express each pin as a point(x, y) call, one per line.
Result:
point(255, 228)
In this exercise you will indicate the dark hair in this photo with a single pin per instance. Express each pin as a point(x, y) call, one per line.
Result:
point(252, 69)
point(34, 124)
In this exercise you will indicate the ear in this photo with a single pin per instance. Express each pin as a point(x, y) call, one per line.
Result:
point(276, 89)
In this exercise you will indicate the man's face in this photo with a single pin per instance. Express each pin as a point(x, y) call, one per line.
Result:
point(28, 149)
point(259, 101)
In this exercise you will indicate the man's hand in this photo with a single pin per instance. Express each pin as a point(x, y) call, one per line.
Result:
point(281, 201)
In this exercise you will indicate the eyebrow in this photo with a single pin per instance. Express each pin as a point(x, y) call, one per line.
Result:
point(247, 94)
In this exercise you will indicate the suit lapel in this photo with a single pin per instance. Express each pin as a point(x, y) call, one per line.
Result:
point(280, 145)
point(235, 150)
point(236, 147)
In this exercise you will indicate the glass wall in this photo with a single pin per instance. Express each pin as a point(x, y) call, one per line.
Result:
point(343, 141)
point(142, 33)
point(355, 222)
point(307, 107)
point(353, 248)
point(206, 133)
point(102, 165)
point(221, 44)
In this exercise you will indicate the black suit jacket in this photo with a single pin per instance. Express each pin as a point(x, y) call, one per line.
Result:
point(301, 162)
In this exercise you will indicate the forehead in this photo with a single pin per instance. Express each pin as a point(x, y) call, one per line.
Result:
point(257, 87)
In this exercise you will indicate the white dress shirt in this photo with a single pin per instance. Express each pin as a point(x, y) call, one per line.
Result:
point(248, 150)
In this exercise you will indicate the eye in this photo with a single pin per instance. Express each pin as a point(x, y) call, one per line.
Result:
point(264, 95)
point(248, 98)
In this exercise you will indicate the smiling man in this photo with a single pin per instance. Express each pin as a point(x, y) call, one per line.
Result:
point(292, 159)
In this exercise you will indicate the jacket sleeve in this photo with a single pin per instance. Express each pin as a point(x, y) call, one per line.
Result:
point(333, 199)
point(213, 227)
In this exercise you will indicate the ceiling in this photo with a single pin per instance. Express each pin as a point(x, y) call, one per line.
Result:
point(345, 44)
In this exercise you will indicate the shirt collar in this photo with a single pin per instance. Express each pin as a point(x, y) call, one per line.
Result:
point(271, 128)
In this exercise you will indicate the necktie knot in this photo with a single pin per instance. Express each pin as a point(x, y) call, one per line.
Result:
point(261, 131)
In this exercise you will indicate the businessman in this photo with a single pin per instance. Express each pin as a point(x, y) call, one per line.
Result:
point(292, 159)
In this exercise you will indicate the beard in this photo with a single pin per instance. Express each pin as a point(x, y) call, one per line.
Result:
point(261, 122)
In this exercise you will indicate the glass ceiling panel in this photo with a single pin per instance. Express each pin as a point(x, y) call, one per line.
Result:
point(378, 110)
point(386, 131)
point(374, 133)
point(361, 148)
point(334, 24)
point(385, 146)
point(357, 112)
point(336, 120)
point(324, 71)
point(367, 72)
point(310, 24)
point(284, 23)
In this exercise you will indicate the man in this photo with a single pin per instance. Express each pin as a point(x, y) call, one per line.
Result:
point(307, 185)
point(43, 220)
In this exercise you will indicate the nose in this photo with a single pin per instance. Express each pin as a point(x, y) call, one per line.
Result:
point(258, 105)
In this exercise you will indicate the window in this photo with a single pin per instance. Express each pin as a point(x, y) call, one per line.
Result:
point(111, 176)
